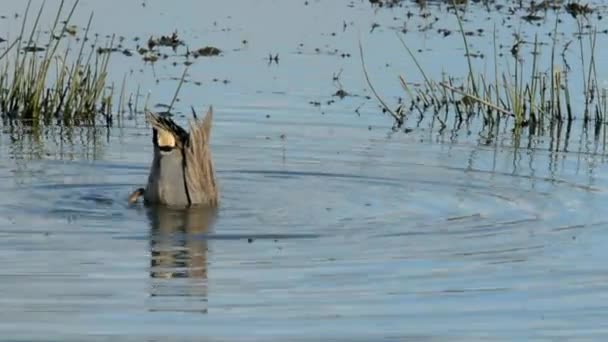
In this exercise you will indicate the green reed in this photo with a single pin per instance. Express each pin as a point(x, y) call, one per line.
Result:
point(39, 86)
point(530, 95)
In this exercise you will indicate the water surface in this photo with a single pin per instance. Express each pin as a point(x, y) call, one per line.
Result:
point(331, 225)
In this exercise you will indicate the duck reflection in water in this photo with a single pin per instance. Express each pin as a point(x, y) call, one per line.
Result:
point(178, 265)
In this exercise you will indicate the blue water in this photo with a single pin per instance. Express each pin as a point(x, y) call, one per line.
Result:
point(331, 226)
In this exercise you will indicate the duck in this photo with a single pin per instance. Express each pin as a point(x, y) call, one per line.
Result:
point(182, 172)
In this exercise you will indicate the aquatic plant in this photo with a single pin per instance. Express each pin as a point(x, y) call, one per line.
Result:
point(40, 81)
point(533, 97)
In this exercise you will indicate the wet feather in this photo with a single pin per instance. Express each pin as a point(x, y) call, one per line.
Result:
point(199, 171)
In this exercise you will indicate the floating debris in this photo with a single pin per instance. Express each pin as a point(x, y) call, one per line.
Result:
point(273, 59)
point(385, 3)
point(315, 103)
point(532, 17)
point(150, 57)
point(206, 52)
point(71, 30)
point(170, 41)
point(576, 9)
point(33, 48)
point(545, 5)
point(102, 50)
point(341, 93)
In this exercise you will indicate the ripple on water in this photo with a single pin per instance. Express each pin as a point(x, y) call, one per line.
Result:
point(381, 231)
point(329, 226)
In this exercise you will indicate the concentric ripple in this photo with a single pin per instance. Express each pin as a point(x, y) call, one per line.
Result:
point(310, 237)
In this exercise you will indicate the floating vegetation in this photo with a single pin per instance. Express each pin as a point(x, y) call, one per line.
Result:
point(171, 41)
point(385, 3)
point(576, 9)
point(206, 51)
point(533, 93)
point(150, 57)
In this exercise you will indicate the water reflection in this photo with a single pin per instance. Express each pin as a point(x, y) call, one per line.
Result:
point(33, 142)
point(178, 263)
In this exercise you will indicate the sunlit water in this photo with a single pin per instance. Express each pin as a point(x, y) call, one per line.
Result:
point(331, 226)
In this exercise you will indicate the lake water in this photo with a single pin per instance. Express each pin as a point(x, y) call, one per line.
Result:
point(331, 225)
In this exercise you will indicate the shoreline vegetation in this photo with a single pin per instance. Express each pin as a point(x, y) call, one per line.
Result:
point(36, 88)
point(523, 93)
point(63, 79)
